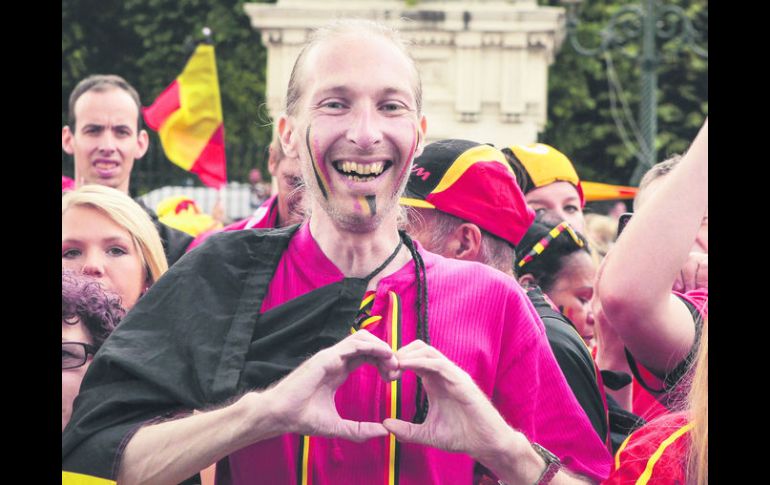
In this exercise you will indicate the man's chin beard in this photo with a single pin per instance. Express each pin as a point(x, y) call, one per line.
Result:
point(352, 222)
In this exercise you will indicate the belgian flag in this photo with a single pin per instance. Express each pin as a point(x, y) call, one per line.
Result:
point(188, 119)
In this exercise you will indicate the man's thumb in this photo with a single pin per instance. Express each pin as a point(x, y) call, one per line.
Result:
point(403, 430)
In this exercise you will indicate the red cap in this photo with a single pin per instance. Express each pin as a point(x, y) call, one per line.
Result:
point(471, 181)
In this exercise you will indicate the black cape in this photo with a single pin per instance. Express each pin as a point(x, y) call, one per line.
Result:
point(197, 340)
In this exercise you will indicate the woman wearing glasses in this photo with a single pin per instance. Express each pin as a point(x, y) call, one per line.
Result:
point(88, 315)
point(109, 237)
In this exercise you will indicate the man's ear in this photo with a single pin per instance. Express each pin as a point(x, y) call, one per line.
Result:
point(272, 163)
point(285, 134)
point(422, 129)
point(143, 141)
point(527, 280)
point(66, 140)
point(469, 237)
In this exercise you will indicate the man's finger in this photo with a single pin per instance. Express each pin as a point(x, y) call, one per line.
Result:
point(354, 349)
point(413, 345)
point(360, 431)
point(425, 366)
point(403, 430)
point(419, 350)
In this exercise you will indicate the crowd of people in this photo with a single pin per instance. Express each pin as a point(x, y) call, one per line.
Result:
point(396, 311)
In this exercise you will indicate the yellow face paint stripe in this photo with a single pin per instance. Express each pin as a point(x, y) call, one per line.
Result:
point(466, 160)
point(364, 206)
point(645, 476)
point(71, 478)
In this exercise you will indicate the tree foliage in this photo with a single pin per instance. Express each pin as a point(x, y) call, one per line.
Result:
point(148, 42)
point(581, 122)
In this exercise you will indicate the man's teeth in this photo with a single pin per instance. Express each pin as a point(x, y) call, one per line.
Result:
point(375, 168)
point(356, 178)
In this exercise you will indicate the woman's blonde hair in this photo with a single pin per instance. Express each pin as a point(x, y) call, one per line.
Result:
point(698, 462)
point(130, 216)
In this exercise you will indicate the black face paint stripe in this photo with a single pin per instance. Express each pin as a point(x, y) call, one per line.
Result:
point(371, 200)
point(312, 161)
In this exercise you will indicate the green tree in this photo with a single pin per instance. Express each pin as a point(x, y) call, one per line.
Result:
point(148, 42)
point(581, 120)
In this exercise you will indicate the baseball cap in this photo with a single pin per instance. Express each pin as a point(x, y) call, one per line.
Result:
point(471, 181)
point(544, 165)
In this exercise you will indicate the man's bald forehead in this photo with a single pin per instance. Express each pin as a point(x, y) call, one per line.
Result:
point(335, 30)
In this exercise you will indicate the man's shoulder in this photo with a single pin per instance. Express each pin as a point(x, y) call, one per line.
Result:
point(463, 276)
point(441, 266)
point(239, 247)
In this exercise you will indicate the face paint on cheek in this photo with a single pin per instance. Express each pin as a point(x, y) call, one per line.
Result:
point(569, 313)
point(320, 172)
point(412, 150)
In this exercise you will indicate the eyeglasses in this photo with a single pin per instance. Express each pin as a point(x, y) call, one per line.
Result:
point(543, 243)
point(75, 354)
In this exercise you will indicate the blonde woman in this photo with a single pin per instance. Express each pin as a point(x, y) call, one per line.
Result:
point(108, 236)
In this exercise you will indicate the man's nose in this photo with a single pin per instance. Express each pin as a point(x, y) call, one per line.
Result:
point(365, 131)
point(107, 142)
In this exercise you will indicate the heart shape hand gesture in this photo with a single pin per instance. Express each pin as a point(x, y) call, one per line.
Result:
point(460, 417)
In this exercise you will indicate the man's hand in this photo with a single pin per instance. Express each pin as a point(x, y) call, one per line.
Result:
point(460, 417)
point(694, 273)
point(304, 399)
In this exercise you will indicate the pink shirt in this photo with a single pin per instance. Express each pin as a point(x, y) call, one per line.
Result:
point(481, 320)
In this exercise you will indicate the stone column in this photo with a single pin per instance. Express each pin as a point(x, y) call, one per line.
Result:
point(483, 63)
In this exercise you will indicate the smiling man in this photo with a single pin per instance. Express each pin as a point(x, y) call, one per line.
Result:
point(245, 309)
point(104, 136)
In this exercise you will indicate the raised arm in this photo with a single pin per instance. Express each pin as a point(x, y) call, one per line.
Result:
point(635, 281)
point(303, 402)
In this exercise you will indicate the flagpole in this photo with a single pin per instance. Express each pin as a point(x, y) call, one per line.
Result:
point(218, 211)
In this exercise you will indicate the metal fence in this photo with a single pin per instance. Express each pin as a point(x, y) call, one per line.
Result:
point(154, 173)
point(235, 198)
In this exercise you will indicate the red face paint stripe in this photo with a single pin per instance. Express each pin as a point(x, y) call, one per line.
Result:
point(408, 161)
